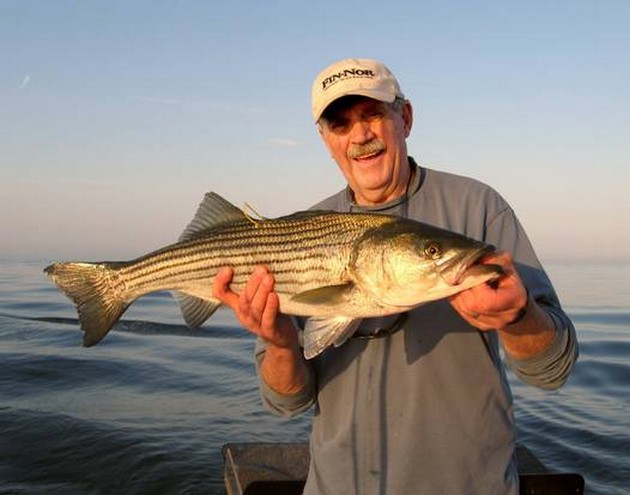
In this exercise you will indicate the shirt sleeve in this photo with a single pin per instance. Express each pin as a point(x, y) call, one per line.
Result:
point(550, 369)
point(280, 404)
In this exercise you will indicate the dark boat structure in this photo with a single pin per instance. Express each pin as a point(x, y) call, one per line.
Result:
point(281, 469)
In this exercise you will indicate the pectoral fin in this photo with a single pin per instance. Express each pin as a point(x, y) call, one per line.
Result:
point(320, 333)
point(332, 295)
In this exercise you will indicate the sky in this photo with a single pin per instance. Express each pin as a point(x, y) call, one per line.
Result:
point(117, 116)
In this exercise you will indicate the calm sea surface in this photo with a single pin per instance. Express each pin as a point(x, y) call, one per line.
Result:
point(148, 410)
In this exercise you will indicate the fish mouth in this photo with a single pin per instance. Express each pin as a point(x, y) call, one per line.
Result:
point(468, 266)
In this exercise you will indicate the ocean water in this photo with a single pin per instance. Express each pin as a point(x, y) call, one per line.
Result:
point(148, 409)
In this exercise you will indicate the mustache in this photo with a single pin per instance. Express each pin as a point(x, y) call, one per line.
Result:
point(370, 148)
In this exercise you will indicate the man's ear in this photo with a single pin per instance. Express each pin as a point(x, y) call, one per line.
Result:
point(322, 134)
point(407, 115)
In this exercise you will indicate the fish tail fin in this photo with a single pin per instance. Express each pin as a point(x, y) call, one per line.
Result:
point(97, 291)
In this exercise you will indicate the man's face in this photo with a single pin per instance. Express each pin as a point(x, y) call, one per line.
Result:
point(366, 138)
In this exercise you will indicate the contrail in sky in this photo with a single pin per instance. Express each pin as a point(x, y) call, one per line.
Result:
point(25, 81)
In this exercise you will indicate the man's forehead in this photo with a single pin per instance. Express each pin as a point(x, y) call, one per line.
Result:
point(345, 103)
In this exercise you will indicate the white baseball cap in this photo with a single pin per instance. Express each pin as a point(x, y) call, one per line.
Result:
point(353, 76)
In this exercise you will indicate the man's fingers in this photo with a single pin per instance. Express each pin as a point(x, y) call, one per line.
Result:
point(221, 287)
point(222, 280)
point(254, 296)
point(270, 312)
point(257, 306)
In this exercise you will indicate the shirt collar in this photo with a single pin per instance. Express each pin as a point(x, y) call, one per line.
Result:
point(412, 188)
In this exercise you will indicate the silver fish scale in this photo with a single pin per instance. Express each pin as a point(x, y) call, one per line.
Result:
point(304, 250)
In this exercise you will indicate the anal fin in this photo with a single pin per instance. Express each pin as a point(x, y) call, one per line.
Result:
point(195, 310)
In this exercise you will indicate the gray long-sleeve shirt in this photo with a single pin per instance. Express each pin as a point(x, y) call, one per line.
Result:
point(428, 409)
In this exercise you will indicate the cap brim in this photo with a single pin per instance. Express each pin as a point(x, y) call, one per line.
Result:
point(384, 96)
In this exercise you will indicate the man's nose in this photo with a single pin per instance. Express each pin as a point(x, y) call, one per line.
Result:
point(361, 132)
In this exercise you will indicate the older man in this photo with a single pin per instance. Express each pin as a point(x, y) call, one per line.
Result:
point(415, 403)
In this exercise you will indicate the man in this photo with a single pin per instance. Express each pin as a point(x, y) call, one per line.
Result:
point(416, 403)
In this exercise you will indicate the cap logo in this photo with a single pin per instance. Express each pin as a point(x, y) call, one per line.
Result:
point(347, 74)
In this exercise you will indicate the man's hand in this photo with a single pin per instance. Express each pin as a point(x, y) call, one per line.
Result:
point(504, 305)
point(257, 307)
point(493, 306)
point(283, 366)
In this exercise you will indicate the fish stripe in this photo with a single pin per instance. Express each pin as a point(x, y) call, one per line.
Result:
point(244, 245)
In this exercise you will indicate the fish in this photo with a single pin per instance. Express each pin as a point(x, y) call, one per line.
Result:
point(335, 269)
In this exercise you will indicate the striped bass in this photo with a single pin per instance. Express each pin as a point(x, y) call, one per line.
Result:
point(335, 268)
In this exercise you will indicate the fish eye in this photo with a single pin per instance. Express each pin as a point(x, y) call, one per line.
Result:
point(433, 251)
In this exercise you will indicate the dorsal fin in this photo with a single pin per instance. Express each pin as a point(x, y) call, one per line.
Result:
point(252, 215)
point(213, 211)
